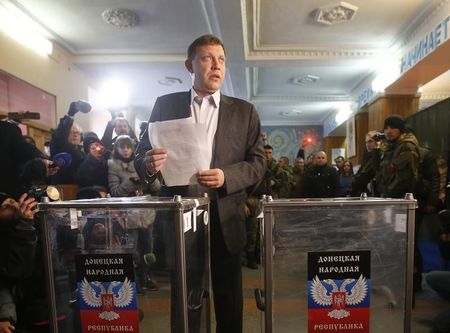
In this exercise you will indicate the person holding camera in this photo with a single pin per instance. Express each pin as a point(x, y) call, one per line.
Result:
point(67, 138)
point(93, 170)
point(399, 160)
point(18, 239)
point(119, 125)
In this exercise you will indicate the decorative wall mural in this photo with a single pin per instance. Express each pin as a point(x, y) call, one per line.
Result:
point(286, 140)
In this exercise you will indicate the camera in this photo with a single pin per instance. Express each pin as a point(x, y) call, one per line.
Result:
point(379, 136)
point(38, 192)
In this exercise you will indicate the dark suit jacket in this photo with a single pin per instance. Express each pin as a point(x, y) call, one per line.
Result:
point(238, 151)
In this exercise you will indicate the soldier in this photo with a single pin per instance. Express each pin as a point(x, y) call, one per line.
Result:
point(399, 160)
point(285, 187)
point(297, 174)
point(276, 174)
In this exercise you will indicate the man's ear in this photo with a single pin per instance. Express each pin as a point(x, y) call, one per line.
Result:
point(188, 65)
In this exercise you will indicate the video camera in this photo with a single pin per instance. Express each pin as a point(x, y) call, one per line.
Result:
point(379, 136)
point(40, 191)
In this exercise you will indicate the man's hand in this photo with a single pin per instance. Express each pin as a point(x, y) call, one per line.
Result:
point(155, 160)
point(212, 178)
point(27, 207)
point(6, 327)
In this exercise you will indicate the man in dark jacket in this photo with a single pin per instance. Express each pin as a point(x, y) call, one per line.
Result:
point(67, 139)
point(16, 152)
point(320, 180)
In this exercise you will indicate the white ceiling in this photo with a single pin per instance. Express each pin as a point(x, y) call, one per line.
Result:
point(270, 44)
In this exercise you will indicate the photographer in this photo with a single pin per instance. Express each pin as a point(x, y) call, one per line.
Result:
point(121, 126)
point(18, 239)
point(67, 138)
point(94, 168)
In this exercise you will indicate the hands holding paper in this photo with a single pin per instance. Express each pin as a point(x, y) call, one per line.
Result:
point(156, 158)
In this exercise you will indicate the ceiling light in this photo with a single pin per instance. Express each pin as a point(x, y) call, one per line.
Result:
point(344, 112)
point(122, 18)
point(330, 15)
point(24, 32)
point(115, 93)
point(307, 79)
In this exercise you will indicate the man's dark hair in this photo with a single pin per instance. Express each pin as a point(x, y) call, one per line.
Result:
point(268, 147)
point(203, 40)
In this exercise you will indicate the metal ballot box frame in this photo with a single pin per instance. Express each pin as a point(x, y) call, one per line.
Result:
point(341, 265)
point(183, 229)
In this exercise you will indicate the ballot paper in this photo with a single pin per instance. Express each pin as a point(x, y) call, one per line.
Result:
point(187, 149)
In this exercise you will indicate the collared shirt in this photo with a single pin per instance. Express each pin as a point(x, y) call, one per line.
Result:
point(206, 111)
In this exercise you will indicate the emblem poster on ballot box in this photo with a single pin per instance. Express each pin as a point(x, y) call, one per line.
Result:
point(339, 291)
point(106, 291)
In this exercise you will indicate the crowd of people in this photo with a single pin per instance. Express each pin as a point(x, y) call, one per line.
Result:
point(392, 166)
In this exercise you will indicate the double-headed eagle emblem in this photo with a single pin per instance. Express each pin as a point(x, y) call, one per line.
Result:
point(118, 295)
point(350, 292)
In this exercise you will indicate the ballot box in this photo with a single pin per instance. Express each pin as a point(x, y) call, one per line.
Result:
point(337, 265)
point(138, 264)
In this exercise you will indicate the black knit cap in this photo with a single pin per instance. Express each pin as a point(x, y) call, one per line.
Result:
point(395, 121)
point(89, 138)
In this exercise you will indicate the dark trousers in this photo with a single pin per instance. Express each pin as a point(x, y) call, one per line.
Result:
point(226, 275)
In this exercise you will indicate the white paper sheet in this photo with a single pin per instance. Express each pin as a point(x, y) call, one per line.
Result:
point(187, 149)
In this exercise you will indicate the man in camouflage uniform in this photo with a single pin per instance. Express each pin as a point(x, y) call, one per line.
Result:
point(399, 160)
point(297, 175)
point(275, 172)
point(285, 187)
point(272, 177)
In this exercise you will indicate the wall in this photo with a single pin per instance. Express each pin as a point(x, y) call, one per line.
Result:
point(54, 74)
point(286, 140)
point(431, 127)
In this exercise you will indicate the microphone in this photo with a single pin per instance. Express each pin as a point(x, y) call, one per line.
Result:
point(61, 160)
point(149, 258)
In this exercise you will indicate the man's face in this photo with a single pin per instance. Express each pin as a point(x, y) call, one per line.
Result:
point(299, 163)
point(122, 127)
point(282, 162)
point(392, 134)
point(208, 67)
point(339, 162)
point(96, 150)
point(74, 136)
point(320, 159)
point(269, 154)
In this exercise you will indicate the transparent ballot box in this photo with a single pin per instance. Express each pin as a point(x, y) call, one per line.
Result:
point(337, 265)
point(136, 264)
